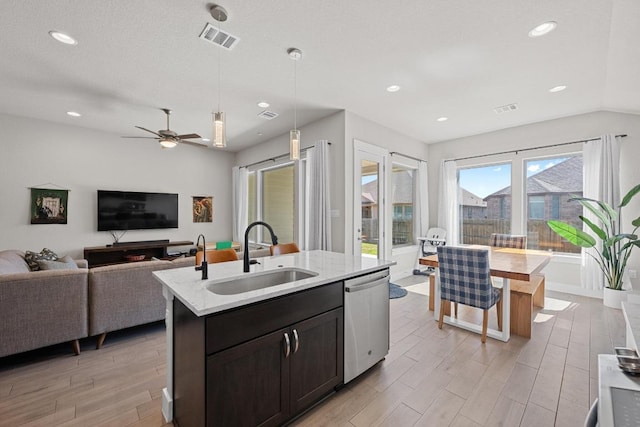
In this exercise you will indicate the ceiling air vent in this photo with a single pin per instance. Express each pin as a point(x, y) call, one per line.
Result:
point(269, 115)
point(506, 108)
point(214, 35)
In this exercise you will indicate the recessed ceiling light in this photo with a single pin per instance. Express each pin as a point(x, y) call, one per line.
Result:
point(63, 38)
point(442, 119)
point(542, 29)
point(557, 88)
point(73, 114)
point(263, 104)
point(206, 139)
point(259, 133)
point(393, 88)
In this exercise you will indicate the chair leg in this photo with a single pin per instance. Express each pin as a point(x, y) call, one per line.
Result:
point(442, 305)
point(499, 312)
point(76, 347)
point(485, 320)
point(101, 340)
point(455, 309)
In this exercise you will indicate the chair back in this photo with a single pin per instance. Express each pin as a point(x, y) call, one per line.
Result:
point(284, 248)
point(508, 241)
point(220, 255)
point(465, 276)
point(436, 233)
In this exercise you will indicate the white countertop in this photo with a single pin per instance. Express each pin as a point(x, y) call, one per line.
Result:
point(631, 313)
point(187, 285)
point(610, 375)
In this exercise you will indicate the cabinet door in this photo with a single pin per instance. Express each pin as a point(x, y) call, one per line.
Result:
point(316, 358)
point(248, 385)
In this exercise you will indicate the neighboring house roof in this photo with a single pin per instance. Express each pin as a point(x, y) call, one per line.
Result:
point(470, 199)
point(401, 190)
point(565, 177)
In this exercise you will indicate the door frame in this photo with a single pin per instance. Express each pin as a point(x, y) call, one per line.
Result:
point(366, 151)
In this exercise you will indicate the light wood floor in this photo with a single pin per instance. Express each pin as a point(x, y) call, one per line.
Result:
point(430, 377)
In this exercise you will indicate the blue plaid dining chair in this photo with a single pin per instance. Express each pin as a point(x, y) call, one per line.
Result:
point(465, 278)
point(508, 241)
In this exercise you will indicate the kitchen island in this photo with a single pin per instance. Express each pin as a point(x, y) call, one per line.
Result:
point(260, 347)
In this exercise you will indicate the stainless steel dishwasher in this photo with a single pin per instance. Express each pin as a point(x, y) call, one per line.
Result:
point(366, 322)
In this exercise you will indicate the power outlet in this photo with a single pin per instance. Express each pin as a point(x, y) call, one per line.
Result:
point(633, 274)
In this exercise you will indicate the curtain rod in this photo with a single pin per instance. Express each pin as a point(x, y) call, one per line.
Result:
point(408, 157)
point(529, 149)
point(278, 157)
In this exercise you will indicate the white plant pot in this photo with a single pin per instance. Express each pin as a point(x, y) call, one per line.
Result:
point(613, 298)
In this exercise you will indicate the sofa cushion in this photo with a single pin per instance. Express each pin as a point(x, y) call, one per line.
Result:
point(12, 261)
point(64, 263)
point(32, 258)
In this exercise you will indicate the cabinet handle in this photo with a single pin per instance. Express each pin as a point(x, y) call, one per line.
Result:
point(295, 341)
point(287, 345)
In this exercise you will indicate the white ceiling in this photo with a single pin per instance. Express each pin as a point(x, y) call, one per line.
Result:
point(454, 58)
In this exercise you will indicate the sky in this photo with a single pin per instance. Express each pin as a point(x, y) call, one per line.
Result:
point(486, 180)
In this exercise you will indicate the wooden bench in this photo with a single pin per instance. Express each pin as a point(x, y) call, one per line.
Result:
point(524, 296)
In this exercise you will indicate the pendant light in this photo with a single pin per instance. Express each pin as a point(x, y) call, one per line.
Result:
point(294, 135)
point(219, 119)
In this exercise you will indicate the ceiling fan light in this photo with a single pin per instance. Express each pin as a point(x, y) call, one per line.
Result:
point(219, 130)
point(168, 142)
point(294, 144)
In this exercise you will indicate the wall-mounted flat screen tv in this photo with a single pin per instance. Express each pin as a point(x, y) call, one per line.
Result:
point(129, 210)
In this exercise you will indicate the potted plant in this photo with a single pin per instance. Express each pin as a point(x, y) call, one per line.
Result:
point(615, 247)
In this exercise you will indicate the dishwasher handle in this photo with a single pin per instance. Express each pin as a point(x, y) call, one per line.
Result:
point(366, 285)
point(371, 277)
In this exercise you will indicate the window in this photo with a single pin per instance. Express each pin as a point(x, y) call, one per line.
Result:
point(555, 207)
point(272, 199)
point(485, 194)
point(553, 180)
point(278, 207)
point(536, 207)
point(402, 197)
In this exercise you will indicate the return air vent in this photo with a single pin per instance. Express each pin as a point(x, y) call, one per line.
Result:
point(269, 115)
point(214, 35)
point(506, 108)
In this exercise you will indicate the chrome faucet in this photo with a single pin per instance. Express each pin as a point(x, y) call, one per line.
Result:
point(274, 240)
point(204, 267)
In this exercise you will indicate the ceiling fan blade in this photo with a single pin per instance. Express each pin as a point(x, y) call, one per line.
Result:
point(188, 136)
point(140, 137)
point(193, 143)
point(150, 131)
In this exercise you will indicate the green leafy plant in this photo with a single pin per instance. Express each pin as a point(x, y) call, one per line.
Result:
point(615, 248)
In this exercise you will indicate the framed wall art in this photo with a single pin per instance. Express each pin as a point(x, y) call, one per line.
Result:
point(202, 209)
point(49, 206)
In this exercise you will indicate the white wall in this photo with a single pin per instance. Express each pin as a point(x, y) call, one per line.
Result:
point(34, 152)
point(330, 128)
point(562, 272)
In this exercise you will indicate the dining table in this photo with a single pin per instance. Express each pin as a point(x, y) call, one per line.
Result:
point(507, 263)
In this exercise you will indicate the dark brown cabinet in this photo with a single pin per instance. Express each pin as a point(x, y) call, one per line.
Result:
point(267, 380)
point(258, 365)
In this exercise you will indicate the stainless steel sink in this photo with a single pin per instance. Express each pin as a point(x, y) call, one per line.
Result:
point(252, 282)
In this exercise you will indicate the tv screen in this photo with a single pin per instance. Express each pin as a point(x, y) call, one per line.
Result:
point(129, 210)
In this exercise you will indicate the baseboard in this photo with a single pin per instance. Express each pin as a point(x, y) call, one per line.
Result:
point(167, 405)
point(573, 290)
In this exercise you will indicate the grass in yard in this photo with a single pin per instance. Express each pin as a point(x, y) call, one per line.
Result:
point(369, 248)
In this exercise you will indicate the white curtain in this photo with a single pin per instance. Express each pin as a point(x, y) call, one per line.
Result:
point(240, 201)
point(601, 182)
point(318, 235)
point(422, 202)
point(448, 216)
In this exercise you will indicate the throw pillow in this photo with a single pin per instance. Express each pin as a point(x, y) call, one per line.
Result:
point(32, 258)
point(64, 263)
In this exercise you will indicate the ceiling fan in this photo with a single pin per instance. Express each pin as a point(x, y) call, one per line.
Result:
point(167, 137)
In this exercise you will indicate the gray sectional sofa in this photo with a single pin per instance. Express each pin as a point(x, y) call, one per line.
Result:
point(42, 308)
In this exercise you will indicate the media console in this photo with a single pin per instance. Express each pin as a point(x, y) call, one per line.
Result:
point(116, 254)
